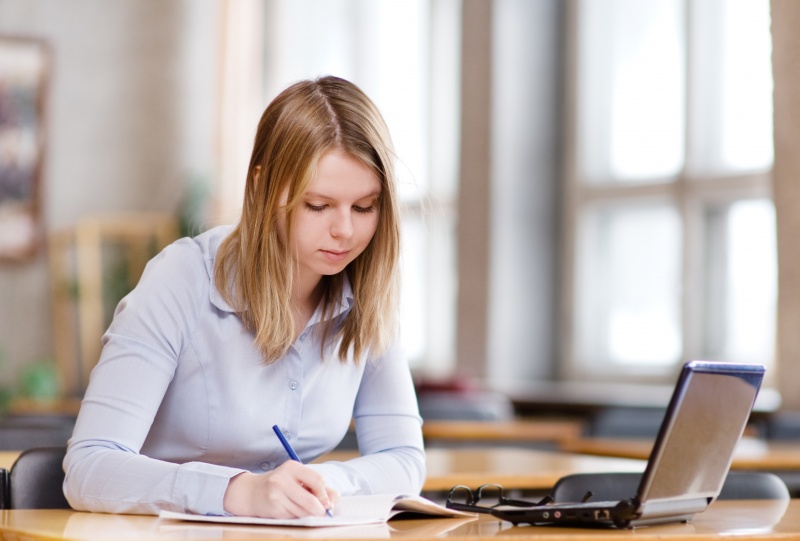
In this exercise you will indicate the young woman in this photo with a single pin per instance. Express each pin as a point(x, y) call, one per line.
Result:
point(288, 319)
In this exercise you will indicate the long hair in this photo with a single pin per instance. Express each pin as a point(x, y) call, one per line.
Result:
point(254, 269)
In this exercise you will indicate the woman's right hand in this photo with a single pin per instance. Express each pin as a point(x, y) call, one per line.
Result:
point(291, 490)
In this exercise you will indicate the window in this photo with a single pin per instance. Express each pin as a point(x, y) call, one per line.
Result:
point(669, 219)
point(404, 55)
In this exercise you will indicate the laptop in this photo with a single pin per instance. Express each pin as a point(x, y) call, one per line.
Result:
point(690, 459)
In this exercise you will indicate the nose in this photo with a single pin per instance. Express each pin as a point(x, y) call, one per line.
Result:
point(342, 224)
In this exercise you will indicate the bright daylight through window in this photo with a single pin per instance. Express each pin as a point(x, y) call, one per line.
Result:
point(671, 222)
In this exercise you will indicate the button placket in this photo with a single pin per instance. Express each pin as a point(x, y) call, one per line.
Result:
point(294, 397)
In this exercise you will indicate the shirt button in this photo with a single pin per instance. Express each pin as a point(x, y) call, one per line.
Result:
point(293, 384)
point(303, 335)
point(265, 466)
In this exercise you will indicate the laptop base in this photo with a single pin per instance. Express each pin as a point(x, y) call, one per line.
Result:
point(622, 515)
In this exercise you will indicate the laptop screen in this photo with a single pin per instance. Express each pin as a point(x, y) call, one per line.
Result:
point(693, 450)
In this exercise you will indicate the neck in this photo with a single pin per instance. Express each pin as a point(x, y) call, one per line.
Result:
point(306, 297)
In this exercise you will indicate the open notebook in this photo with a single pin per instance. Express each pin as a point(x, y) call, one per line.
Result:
point(350, 511)
point(704, 422)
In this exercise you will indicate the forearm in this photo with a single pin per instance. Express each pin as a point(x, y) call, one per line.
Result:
point(393, 458)
point(102, 477)
point(398, 471)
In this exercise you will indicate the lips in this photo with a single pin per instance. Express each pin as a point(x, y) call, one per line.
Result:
point(334, 255)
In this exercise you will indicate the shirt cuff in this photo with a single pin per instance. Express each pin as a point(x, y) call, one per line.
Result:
point(200, 488)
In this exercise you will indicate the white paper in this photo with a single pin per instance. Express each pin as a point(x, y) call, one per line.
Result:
point(350, 511)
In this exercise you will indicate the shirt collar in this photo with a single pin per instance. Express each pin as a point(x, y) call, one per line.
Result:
point(342, 305)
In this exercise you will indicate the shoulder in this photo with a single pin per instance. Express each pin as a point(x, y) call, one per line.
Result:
point(183, 269)
point(207, 244)
point(392, 358)
point(189, 257)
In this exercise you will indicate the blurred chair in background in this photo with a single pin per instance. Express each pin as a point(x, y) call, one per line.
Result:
point(92, 266)
point(739, 485)
point(36, 478)
point(625, 422)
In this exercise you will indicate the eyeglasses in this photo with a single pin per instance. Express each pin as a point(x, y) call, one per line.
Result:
point(464, 498)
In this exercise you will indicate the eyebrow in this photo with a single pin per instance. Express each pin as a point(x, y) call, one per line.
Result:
point(375, 193)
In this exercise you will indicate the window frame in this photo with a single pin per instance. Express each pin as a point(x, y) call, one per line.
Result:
point(690, 191)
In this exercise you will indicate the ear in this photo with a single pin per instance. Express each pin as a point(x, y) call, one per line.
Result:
point(256, 175)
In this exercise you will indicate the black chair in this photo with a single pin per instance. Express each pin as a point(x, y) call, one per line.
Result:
point(739, 485)
point(783, 426)
point(36, 479)
point(4, 489)
point(625, 422)
point(477, 405)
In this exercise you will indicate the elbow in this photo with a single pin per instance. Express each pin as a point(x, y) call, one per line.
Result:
point(73, 486)
point(416, 471)
point(73, 495)
point(422, 473)
point(85, 475)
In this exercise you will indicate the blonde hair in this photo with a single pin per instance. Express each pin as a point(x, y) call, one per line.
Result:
point(253, 269)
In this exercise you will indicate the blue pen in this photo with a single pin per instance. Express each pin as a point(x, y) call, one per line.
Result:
point(292, 454)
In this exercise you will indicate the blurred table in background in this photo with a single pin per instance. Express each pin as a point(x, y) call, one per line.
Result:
point(513, 468)
point(7, 459)
point(751, 453)
point(517, 431)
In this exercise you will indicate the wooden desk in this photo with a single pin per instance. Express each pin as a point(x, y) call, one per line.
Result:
point(751, 454)
point(503, 432)
point(7, 459)
point(511, 467)
point(761, 519)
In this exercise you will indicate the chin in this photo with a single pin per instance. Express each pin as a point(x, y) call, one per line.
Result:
point(332, 271)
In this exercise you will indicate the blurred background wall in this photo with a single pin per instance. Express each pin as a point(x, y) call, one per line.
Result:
point(130, 122)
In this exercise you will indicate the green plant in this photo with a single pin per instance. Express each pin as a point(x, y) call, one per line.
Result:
point(6, 394)
point(192, 208)
point(39, 380)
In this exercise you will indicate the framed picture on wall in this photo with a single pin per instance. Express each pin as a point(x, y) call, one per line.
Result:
point(23, 76)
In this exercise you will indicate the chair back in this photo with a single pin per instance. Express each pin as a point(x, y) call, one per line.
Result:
point(753, 485)
point(603, 487)
point(625, 422)
point(4, 489)
point(36, 479)
point(739, 485)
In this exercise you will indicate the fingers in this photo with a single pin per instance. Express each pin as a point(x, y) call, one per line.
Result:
point(289, 491)
point(333, 497)
point(292, 490)
point(312, 482)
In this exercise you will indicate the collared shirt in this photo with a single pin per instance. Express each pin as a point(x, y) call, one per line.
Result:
point(181, 401)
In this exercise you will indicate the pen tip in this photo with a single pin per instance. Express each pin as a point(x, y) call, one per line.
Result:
point(329, 513)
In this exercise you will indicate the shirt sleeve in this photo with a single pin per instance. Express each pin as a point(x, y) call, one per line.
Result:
point(104, 469)
point(389, 431)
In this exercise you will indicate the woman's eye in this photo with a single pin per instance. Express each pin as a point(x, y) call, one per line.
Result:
point(364, 210)
point(315, 208)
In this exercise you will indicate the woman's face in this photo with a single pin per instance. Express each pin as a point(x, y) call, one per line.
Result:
point(337, 217)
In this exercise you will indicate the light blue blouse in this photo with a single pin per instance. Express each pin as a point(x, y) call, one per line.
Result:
point(181, 401)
